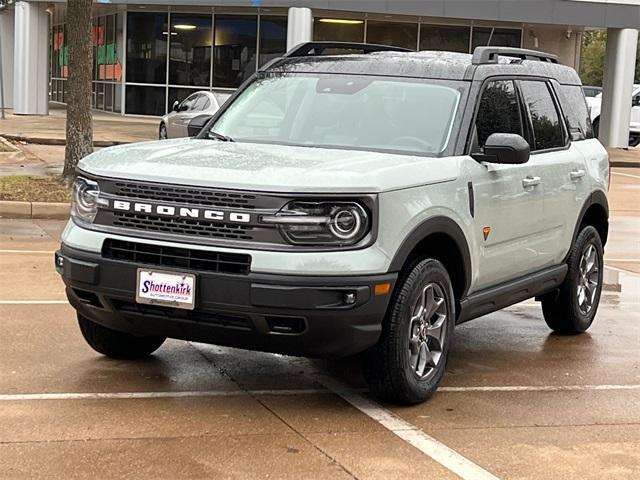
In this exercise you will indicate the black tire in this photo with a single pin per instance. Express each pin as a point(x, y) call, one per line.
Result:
point(596, 127)
point(388, 366)
point(162, 132)
point(564, 310)
point(115, 344)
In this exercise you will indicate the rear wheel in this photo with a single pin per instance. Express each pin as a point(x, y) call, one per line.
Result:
point(408, 363)
point(162, 134)
point(573, 307)
point(115, 344)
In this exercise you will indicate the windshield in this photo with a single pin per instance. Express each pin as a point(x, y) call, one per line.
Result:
point(344, 111)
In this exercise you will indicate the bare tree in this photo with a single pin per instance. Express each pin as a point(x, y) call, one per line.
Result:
point(79, 121)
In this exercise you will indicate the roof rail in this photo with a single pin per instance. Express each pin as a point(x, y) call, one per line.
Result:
point(484, 55)
point(309, 49)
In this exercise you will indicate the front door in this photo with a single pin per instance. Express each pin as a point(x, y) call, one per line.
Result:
point(508, 199)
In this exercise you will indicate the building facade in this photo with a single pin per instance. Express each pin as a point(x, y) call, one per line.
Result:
point(146, 56)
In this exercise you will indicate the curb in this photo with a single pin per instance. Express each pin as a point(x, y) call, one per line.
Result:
point(57, 141)
point(36, 210)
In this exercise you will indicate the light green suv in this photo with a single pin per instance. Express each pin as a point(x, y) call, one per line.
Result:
point(349, 199)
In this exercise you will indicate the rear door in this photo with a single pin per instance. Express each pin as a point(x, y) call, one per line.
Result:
point(508, 212)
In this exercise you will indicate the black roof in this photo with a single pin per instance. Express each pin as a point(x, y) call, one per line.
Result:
point(486, 62)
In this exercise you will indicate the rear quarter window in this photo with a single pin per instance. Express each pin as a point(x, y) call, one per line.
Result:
point(576, 112)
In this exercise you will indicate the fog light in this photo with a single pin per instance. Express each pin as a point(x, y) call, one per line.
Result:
point(350, 298)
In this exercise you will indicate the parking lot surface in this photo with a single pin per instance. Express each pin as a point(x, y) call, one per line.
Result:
point(516, 402)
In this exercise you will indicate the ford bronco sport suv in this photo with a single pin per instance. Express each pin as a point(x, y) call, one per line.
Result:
point(349, 198)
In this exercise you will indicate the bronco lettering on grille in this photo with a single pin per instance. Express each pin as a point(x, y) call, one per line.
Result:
point(182, 212)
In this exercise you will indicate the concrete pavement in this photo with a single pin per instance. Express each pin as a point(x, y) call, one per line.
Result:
point(517, 402)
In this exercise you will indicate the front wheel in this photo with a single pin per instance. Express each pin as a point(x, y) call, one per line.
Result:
point(162, 133)
point(408, 363)
point(115, 344)
point(572, 308)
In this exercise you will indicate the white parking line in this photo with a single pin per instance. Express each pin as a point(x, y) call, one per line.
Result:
point(150, 395)
point(625, 174)
point(539, 388)
point(33, 302)
point(411, 434)
point(48, 252)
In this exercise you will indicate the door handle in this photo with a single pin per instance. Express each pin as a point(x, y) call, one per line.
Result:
point(576, 174)
point(530, 182)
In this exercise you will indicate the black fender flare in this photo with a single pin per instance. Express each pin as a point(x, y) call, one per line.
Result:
point(435, 225)
point(597, 197)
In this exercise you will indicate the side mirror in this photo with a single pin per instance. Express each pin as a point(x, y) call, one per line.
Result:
point(197, 124)
point(506, 148)
point(175, 106)
point(636, 101)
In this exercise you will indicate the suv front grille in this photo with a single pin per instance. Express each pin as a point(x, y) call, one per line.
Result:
point(185, 195)
point(182, 226)
point(190, 259)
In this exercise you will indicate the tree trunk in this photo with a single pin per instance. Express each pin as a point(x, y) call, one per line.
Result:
point(79, 121)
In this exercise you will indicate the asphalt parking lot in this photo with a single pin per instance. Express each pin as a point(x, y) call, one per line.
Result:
point(517, 402)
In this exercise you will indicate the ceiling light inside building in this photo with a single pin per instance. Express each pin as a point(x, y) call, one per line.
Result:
point(182, 26)
point(342, 21)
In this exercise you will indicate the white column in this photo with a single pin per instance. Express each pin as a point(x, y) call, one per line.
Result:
point(299, 26)
point(619, 65)
point(31, 59)
point(6, 42)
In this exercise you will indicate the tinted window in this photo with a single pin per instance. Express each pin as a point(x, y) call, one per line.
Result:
point(235, 49)
point(501, 37)
point(273, 37)
point(147, 48)
point(190, 49)
point(338, 30)
point(498, 111)
point(393, 33)
point(547, 130)
point(448, 38)
point(575, 109)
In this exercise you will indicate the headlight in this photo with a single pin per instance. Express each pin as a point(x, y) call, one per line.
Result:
point(84, 199)
point(322, 223)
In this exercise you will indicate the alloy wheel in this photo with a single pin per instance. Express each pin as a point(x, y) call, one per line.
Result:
point(427, 330)
point(588, 279)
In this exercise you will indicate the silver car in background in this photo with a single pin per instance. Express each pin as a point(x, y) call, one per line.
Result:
point(175, 123)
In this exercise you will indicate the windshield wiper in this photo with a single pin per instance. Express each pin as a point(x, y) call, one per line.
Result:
point(218, 136)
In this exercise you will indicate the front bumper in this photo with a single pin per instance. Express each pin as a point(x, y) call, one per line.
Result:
point(295, 315)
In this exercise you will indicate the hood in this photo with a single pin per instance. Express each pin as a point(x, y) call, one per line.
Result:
point(264, 167)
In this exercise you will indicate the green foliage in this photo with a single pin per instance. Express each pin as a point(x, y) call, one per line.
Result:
point(592, 58)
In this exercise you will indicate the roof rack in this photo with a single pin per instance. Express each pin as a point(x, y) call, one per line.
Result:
point(309, 49)
point(484, 55)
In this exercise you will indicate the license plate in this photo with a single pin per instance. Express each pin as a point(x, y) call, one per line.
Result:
point(166, 288)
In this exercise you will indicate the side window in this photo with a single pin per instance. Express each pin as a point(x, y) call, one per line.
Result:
point(498, 111)
point(202, 103)
point(547, 128)
point(575, 109)
point(188, 103)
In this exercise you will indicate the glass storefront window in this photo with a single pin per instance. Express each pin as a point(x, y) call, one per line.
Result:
point(145, 100)
point(338, 30)
point(273, 38)
point(146, 48)
point(190, 50)
point(501, 37)
point(448, 38)
point(235, 49)
point(392, 33)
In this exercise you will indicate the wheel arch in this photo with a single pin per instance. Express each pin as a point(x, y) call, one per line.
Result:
point(595, 212)
point(443, 239)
